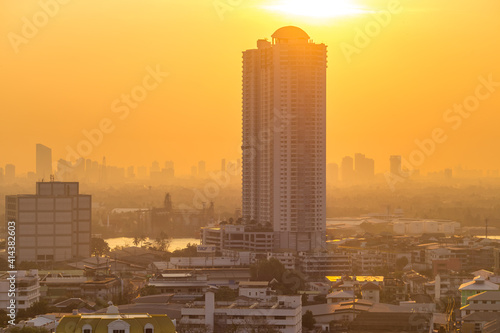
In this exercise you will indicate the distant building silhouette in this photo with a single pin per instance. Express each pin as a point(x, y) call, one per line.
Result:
point(202, 172)
point(332, 173)
point(43, 162)
point(395, 161)
point(223, 165)
point(142, 172)
point(364, 168)
point(130, 172)
point(178, 222)
point(10, 172)
point(347, 168)
point(155, 167)
point(284, 138)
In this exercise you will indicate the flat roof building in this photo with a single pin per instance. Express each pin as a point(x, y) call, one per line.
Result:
point(52, 225)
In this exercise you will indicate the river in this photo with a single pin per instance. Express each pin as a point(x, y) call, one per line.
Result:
point(175, 244)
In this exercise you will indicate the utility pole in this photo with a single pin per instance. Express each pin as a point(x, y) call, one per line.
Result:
point(486, 222)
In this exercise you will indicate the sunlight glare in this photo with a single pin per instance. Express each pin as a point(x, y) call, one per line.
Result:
point(318, 8)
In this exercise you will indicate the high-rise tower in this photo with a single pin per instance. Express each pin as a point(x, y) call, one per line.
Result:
point(43, 162)
point(284, 138)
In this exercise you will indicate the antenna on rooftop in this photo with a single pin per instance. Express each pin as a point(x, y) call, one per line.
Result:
point(486, 222)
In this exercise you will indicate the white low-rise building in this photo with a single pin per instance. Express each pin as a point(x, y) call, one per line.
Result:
point(407, 226)
point(288, 259)
point(27, 289)
point(282, 312)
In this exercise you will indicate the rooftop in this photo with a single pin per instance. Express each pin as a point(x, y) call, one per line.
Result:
point(290, 32)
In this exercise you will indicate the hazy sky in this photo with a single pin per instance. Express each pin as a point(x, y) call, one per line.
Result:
point(68, 72)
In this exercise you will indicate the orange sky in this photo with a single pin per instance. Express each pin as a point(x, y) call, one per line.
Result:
point(65, 77)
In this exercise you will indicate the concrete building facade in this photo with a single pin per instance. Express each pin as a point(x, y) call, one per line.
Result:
point(52, 225)
point(284, 138)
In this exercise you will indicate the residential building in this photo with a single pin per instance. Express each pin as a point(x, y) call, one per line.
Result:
point(371, 292)
point(288, 259)
point(339, 296)
point(114, 322)
point(241, 237)
point(256, 289)
point(476, 286)
point(52, 225)
point(103, 288)
point(284, 138)
point(320, 264)
point(486, 301)
point(282, 312)
point(27, 289)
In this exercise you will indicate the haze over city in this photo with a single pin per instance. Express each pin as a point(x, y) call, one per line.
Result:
point(236, 166)
point(383, 93)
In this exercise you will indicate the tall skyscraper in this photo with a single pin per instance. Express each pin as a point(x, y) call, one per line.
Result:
point(284, 138)
point(202, 172)
point(43, 162)
point(52, 225)
point(10, 172)
point(364, 167)
point(395, 164)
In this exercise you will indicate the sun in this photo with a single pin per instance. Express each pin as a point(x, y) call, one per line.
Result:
point(317, 8)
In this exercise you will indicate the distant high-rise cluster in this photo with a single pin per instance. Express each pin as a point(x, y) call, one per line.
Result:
point(395, 161)
point(284, 138)
point(43, 162)
point(358, 170)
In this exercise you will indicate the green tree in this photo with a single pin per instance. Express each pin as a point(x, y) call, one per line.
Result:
point(266, 270)
point(289, 281)
point(99, 246)
point(142, 239)
point(401, 263)
point(225, 294)
point(162, 242)
point(308, 320)
point(148, 290)
point(191, 250)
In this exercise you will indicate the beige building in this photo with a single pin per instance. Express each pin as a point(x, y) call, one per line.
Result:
point(244, 314)
point(52, 225)
point(27, 289)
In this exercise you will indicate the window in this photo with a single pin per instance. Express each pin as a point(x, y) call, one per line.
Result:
point(118, 326)
point(87, 328)
point(148, 328)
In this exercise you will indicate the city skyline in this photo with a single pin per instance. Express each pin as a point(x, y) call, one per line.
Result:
point(401, 84)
